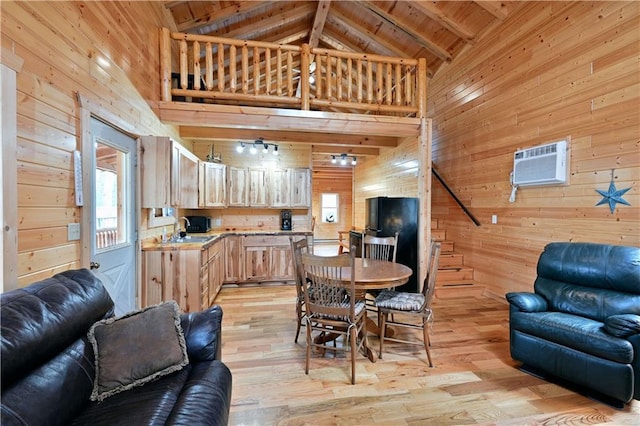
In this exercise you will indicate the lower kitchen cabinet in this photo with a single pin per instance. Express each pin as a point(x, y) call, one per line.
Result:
point(233, 259)
point(192, 278)
point(267, 258)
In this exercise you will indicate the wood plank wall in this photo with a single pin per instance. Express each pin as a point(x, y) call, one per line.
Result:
point(341, 184)
point(394, 173)
point(70, 47)
point(552, 70)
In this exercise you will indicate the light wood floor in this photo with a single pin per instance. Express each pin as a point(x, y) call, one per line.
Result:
point(474, 380)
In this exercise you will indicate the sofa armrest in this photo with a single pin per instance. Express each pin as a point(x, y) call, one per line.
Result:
point(527, 302)
point(203, 334)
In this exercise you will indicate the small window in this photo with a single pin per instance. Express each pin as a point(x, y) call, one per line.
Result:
point(329, 206)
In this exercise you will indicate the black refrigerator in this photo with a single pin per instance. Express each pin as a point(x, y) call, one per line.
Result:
point(387, 215)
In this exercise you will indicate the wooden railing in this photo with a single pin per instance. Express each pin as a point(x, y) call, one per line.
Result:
point(106, 237)
point(251, 72)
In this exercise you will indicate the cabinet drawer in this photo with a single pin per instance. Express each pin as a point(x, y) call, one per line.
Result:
point(265, 241)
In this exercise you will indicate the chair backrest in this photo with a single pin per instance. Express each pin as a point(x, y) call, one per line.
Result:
point(297, 248)
point(381, 248)
point(329, 287)
point(429, 287)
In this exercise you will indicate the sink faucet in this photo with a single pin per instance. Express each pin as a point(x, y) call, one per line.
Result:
point(177, 224)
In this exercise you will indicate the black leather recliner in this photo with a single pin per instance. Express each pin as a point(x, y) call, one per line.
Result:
point(48, 363)
point(582, 323)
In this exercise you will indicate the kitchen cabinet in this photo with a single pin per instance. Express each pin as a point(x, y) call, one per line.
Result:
point(300, 188)
point(155, 171)
point(280, 188)
point(192, 278)
point(238, 186)
point(212, 184)
point(275, 188)
point(258, 189)
point(233, 259)
point(267, 258)
point(184, 177)
point(169, 174)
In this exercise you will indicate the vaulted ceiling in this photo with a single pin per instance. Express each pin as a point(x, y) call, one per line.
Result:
point(435, 30)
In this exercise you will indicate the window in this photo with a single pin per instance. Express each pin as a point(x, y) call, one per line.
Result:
point(329, 206)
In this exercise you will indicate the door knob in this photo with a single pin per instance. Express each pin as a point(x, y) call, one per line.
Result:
point(94, 265)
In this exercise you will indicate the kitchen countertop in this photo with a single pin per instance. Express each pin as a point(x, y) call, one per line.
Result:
point(217, 236)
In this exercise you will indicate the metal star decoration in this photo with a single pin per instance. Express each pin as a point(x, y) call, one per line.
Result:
point(612, 196)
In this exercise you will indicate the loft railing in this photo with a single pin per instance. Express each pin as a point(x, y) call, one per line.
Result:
point(253, 72)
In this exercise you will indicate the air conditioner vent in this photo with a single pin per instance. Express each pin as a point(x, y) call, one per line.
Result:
point(541, 165)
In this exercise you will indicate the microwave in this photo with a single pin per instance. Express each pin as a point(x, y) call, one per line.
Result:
point(199, 224)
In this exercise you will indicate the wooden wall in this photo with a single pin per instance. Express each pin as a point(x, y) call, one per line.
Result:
point(69, 48)
point(552, 70)
point(338, 183)
point(394, 173)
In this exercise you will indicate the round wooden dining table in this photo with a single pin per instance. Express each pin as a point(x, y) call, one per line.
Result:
point(371, 274)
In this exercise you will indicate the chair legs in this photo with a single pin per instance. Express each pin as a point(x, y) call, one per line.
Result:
point(427, 343)
point(383, 318)
point(300, 316)
point(382, 323)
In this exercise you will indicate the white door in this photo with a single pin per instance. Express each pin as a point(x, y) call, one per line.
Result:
point(113, 228)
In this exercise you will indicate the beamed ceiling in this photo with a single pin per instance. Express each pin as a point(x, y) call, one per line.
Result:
point(435, 30)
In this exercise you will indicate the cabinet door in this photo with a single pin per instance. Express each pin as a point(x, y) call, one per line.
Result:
point(256, 263)
point(172, 275)
point(188, 180)
point(205, 275)
point(258, 188)
point(155, 171)
point(212, 185)
point(238, 186)
point(300, 188)
point(233, 259)
point(216, 275)
point(280, 188)
point(282, 263)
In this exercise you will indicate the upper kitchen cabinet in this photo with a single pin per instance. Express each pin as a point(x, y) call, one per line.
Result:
point(155, 170)
point(277, 188)
point(300, 188)
point(238, 186)
point(280, 188)
point(169, 174)
point(184, 177)
point(212, 185)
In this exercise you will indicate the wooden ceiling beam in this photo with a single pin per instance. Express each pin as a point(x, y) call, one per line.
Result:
point(375, 43)
point(277, 136)
point(238, 117)
point(413, 33)
point(430, 9)
point(337, 150)
point(497, 8)
point(240, 8)
point(318, 22)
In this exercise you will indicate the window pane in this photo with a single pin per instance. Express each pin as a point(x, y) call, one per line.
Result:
point(110, 193)
point(329, 208)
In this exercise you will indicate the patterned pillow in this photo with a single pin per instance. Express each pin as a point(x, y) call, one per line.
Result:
point(137, 348)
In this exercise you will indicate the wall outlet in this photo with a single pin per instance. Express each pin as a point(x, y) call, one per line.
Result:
point(494, 218)
point(73, 231)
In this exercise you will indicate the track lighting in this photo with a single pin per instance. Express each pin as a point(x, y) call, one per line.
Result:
point(240, 148)
point(343, 160)
point(253, 148)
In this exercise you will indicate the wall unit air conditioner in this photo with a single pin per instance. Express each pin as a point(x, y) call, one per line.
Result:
point(541, 165)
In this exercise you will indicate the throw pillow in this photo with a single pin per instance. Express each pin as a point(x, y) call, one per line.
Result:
point(623, 325)
point(136, 348)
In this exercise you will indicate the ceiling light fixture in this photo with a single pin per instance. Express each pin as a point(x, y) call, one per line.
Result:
point(333, 159)
point(343, 159)
point(354, 161)
point(253, 150)
point(275, 150)
point(240, 148)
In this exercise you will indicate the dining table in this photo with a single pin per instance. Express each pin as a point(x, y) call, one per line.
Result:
point(373, 274)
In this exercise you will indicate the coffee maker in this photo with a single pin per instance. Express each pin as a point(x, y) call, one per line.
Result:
point(285, 220)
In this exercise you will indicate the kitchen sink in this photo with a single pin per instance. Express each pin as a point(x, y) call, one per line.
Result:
point(194, 239)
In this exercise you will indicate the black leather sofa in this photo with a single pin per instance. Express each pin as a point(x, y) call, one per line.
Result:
point(48, 363)
point(582, 323)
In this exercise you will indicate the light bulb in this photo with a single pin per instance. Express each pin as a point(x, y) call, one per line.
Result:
point(333, 159)
point(240, 148)
point(275, 150)
point(265, 148)
point(354, 161)
point(253, 149)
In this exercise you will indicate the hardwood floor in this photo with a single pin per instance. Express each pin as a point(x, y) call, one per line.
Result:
point(474, 380)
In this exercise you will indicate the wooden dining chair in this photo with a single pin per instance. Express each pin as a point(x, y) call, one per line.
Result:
point(380, 248)
point(402, 305)
point(331, 305)
point(297, 248)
